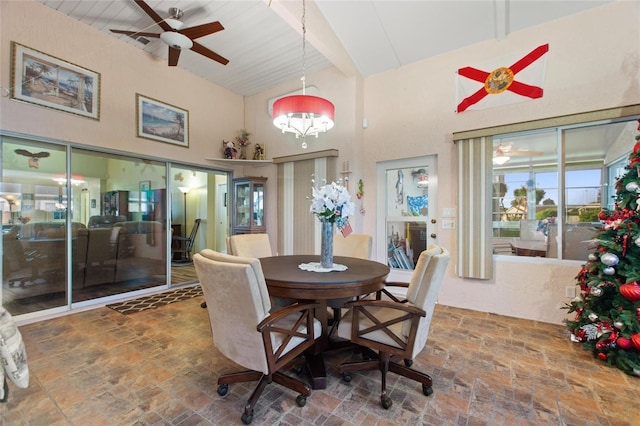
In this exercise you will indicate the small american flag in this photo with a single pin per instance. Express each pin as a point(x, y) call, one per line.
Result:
point(346, 230)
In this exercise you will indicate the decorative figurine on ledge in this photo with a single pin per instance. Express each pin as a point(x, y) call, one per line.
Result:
point(230, 151)
point(242, 140)
point(258, 152)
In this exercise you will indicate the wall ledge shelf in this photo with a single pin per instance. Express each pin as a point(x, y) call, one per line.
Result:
point(227, 161)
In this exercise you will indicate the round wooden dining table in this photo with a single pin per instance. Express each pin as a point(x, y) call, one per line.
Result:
point(285, 279)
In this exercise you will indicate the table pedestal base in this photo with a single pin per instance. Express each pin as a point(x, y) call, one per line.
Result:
point(315, 366)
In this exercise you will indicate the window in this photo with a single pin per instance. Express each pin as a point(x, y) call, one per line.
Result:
point(549, 185)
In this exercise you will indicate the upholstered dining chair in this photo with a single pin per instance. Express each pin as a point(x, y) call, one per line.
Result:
point(249, 245)
point(353, 245)
point(395, 328)
point(253, 246)
point(245, 332)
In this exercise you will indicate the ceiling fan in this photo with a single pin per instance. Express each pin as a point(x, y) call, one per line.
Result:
point(176, 37)
point(503, 153)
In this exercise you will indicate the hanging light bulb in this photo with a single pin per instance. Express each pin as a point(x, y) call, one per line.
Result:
point(303, 115)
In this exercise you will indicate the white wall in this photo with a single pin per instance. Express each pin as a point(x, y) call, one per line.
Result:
point(593, 64)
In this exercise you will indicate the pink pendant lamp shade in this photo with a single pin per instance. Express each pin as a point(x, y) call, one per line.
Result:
point(303, 115)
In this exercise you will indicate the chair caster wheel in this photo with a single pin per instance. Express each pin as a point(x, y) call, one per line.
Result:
point(247, 418)
point(223, 389)
point(427, 390)
point(346, 377)
point(408, 362)
point(301, 400)
point(386, 403)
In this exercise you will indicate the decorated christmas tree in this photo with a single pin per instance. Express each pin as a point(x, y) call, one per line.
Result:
point(607, 311)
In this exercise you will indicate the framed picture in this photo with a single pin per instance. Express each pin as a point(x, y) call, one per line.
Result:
point(45, 80)
point(145, 185)
point(162, 122)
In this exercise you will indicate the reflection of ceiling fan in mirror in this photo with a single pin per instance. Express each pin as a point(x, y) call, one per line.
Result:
point(503, 153)
point(176, 37)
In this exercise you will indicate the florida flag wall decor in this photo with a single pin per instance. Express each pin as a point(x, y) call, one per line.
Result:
point(502, 81)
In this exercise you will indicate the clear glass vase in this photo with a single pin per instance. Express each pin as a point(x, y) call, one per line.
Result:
point(326, 244)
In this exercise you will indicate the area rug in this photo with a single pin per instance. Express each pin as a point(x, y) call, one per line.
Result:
point(156, 300)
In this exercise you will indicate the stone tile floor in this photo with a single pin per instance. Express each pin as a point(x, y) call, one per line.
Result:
point(159, 367)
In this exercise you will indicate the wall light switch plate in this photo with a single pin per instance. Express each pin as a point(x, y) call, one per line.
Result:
point(448, 224)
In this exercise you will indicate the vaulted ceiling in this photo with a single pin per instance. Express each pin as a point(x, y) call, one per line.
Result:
point(262, 39)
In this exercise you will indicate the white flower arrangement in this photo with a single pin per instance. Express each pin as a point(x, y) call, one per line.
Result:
point(332, 203)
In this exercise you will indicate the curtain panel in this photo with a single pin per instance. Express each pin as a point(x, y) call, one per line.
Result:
point(475, 253)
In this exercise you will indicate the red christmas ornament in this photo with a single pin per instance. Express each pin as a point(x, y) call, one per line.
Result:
point(603, 215)
point(602, 356)
point(631, 291)
point(635, 339)
point(624, 343)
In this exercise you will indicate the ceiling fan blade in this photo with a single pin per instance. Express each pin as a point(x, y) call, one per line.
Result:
point(135, 33)
point(202, 30)
point(158, 20)
point(174, 54)
point(197, 47)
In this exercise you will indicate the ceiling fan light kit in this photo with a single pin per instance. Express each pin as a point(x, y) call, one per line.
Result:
point(176, 40)
point(303, 115)
point(500, 159)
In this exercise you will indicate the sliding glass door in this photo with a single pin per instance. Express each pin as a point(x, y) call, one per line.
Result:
point(81, 225)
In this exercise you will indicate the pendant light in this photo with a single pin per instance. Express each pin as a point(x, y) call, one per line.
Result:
point(303, 115)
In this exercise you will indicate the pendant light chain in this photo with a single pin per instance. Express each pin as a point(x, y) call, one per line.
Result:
point(304, 46)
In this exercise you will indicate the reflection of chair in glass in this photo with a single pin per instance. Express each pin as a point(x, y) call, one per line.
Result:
point(20, 265)
point(396, 329)
point(244, 331)
point(576, 244)
point(184, 245)
point(530, 230)
point(102, 249)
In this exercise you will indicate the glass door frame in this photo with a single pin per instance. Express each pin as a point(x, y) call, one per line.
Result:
point(430, 163)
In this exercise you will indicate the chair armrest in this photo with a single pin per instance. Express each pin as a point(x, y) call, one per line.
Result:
point(396, 284)
point(379, 334)
point(279, 326)
point(278, 315)
point(389, 295)
point(389, 304)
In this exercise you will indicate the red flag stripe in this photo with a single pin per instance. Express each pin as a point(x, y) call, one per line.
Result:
point(474, 74)
point(526, 90)
point(476, 97)
point(530, 58)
